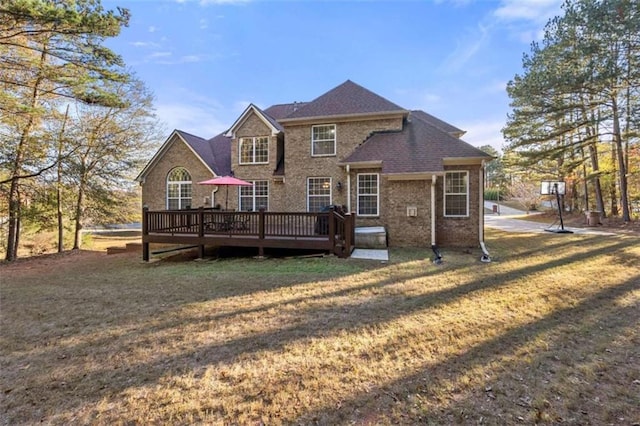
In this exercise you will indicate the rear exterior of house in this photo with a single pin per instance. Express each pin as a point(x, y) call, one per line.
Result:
point(404, 170)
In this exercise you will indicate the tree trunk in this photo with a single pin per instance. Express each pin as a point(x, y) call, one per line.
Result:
point(613, 193)
point(59, 183)
point(78, 216)
point(595, 165)
point(13, 235)
point(622, 170)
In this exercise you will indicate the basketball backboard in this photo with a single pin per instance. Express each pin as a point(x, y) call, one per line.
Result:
point(551, 187)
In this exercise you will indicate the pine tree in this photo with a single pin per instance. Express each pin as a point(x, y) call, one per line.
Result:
point(49, 51)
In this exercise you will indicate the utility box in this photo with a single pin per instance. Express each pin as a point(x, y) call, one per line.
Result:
point(412, 211)
point(593, 218)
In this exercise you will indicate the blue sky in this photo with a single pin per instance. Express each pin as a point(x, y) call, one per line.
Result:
point(207, 60)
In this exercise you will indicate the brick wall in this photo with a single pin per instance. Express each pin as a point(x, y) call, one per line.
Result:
point(300, 164)
point(178, 154)
point(459, 231)
point(253, 126)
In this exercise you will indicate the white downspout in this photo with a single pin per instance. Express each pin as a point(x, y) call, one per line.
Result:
point(434, 248)
point(348, 189)
point(433, 210)
point(485, 254)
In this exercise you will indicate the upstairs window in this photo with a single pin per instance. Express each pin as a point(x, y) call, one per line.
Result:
point(323, 140)
point(368, 194)
point(178, 189)
point(318, 193)
point(254, 150)
point(456, 194)
point(256, 197)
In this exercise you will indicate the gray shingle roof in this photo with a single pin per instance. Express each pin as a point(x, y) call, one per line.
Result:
point(419, 147)
point(435, 121)
point(346, 99)
point(280, 111)
point(215, 152)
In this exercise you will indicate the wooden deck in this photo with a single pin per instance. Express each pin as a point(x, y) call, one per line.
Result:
point(328, 231)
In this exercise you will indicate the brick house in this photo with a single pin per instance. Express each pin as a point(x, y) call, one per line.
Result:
point(404, 170)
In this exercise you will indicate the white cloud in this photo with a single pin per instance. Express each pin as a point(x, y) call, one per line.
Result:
point(144, 44)
point(204, 24)
point(537, 11)
point(526, 18)
point(484, 132)
point(167, 58)
point(466, 48)
point(493, 87)
point(208, 2)
point(199, 119)
point(152, 29)
point(240, 106)
point(159, 55)
point(456, 3)
point(191, 58)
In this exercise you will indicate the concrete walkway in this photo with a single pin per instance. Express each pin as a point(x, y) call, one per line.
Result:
point(505, 222)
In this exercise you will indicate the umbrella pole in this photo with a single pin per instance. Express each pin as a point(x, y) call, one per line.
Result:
point(226, 201)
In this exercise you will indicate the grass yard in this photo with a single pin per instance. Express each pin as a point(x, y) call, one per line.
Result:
point(547, 333)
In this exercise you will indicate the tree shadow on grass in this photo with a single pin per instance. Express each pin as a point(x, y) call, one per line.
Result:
point(517, 389)
point(82, 388)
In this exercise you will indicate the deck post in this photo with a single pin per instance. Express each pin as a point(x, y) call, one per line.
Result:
point(261, 232)
point(200, 232)
point(348, 234)
point(332, 229)
point(145, 233)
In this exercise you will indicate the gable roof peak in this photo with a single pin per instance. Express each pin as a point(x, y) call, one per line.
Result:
point(273, 125)
point(346, 99)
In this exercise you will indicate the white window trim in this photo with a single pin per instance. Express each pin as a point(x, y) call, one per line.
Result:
point(444, 190)
point(335, 140)
point(253, 154)
point(377, 194)
point(253, 195)
point(179, 183)
point(330, 189)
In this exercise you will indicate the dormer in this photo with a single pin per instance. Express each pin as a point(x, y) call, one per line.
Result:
point(255, 140)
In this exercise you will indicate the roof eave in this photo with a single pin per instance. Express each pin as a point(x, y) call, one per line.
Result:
point(143, 174)
point(454, 161)
point(345, 117)
point(361, 164)
point(426, 175)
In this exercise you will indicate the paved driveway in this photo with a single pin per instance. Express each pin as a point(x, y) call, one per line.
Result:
point(505, 222)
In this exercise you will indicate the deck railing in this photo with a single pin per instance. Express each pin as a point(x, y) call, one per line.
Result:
point(329, 229)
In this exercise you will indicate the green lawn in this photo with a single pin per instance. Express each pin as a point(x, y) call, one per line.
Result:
point(549, 332)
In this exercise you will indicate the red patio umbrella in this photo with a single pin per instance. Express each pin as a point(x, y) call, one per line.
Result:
point(226, 181)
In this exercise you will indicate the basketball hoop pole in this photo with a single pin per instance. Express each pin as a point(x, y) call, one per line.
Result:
point(555, 189)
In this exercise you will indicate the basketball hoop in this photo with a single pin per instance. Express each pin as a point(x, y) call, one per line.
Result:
point(551, 187)
point(557, 188)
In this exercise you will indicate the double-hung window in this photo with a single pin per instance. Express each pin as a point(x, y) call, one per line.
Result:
point(254, 150)
point(323, 140)
point(368, 194)
point(178, 189)
point(456, 194)
point(256, 197)
point(318, 193)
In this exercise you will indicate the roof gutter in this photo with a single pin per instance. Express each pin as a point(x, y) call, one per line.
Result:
point(361, 164)
point(459, 161)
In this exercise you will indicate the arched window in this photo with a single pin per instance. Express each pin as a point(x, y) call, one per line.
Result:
point(178, 189)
